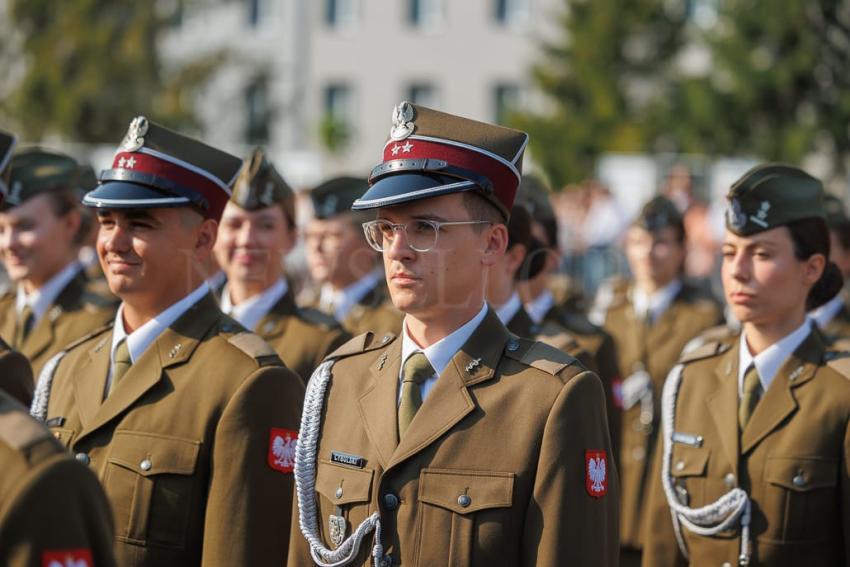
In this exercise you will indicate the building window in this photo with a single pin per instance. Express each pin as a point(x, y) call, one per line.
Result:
point(426, 13)
point(341, 13)
point(423, 94)
point(337, 125)
point(513, 12)
point(507, 98)
point(258, 112)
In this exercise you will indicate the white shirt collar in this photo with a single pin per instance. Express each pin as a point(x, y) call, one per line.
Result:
point(250, 311)
point(770, 360)
point(139, 340)
point(827, 312)
point(657, 303)
point(508, 309)
point(341, 301)
point(42, 298)
point(440, 353)
point(538, 307)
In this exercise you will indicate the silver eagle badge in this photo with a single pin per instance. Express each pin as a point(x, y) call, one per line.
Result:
point(403, 116)
point(135, 137)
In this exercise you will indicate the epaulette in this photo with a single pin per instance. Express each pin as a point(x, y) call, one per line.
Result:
point(317, 317)
point(838, 361)
point(556, 336)
point(17, 428)
point(361, 343)
point(255, 347)
point(538, 355)
point(706, 350)
point(720, 333)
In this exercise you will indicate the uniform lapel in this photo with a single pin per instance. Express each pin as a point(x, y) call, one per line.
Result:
point(9, 319)
point(778, 402)
point(521, 324)
point(273, 323)
point(379, 405)
point(723, 403)
point(449, 401)
point(90, 380)
point(42, 335)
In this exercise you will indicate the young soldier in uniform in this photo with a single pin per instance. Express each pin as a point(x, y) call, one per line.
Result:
point(257, 231)
point(188, 420)
point(753, 467)
point(456, 443)
point(833, 317)
point(39, 225)
point(651, 320)
point(353, 289)
point(52, 510)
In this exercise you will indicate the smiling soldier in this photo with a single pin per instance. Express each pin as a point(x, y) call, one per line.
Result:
point(456, 443)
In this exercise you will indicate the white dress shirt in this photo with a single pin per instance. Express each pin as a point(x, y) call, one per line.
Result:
point(440, 353)
point(42, 298)
point(770, 360)
point(827, 312)
point(656, 304)
point(139, 340)
point(538, 307)
point(341, 301)
point(250, 311)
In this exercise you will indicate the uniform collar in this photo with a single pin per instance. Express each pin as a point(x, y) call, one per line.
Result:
point(655, 304)
point(507, 310)
point(538, 307)
point(251, 311)
point(139, 340)
point(341, 301)
point(42, 298)
point(827, 312)
point(770, 360)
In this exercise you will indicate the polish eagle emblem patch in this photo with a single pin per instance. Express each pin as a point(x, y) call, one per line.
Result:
point(282, 443)
point(67, 558)
point(596, 473)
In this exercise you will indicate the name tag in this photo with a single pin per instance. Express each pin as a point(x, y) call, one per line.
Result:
point(346, 459)
point(55, 422)
point(687, 439)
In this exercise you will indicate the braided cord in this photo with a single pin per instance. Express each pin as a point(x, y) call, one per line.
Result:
point(41, 397)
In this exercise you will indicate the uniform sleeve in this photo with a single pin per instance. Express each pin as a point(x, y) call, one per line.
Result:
point(565, 525)
point(60, 512)
point(249, 501)
point(16, 376)
point(609, 373)
point(659, 539)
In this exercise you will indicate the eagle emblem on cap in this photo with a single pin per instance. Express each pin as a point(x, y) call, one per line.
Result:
point(403, 115)
point(735, 215)
point(135, 137)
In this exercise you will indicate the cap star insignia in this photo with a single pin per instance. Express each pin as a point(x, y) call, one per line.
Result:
point(131, 163)
point(395, 149)
point(407, 147)
point(122, 161)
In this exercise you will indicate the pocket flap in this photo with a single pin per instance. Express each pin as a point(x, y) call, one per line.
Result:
point(688, 461)
point(64, 436)
point(343, 485)
point(466, 491)
point(150, 453)
point(801, 473)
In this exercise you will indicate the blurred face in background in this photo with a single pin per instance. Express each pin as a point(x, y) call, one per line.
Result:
point(251, 245)
point(655, 257)
point(36, 242)
point(337, 251)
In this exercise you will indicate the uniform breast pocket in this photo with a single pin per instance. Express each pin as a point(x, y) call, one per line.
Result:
point(688, 469)
point(801, 497)
point(464, 511)
point(151, 485)
point(345, 493)
point(64, 436)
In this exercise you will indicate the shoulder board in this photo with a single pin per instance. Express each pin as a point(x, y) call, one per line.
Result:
point(361, 343)
point(538, 355)
point(17, 428)
point(706, 350)
point(317, 317)
point(838, 361)
point(556, 336)
point(85, 338)
point(252, 345)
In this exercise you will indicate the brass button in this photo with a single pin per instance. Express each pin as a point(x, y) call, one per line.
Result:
point(338, 493)
point(680, 466)
point(83, 458)
point(146, 465)
point(390, 501)
point(727, 564)
point(799, 479)
point(464, 500)
point(729, 480)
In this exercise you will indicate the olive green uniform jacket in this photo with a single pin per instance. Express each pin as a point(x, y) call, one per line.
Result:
point(374, 313)
point(493, 470)
point(186, 445)
point(15, 374)
point(51, 507)
point(302, 337)
point(793, 459)
point(76, 312)
point(655, 349)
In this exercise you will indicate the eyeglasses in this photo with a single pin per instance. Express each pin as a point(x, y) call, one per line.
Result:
point(421, 234)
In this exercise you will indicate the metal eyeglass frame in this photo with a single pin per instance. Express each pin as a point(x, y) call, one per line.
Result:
point(436, 225)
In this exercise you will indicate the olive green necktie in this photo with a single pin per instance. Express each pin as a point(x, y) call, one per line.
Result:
point(750, 397)
point(416, 370)
point(121, 363)
point(23, 325)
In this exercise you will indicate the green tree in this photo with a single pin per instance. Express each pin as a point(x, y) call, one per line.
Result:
point(91, 65)
point(600, 79)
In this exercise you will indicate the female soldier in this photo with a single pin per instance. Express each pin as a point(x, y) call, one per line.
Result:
point(753, 467)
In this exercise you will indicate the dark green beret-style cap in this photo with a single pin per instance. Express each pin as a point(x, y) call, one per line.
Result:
point(259, 185)
point(534, 195)
point(335, 196)
point(836, 214)
point(658, 213)
point(34, 171)
point(771, 195)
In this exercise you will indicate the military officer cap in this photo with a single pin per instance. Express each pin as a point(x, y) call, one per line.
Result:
point(534, 195)
point(155, 167)
point(431, 153)
point(259, 185)
point(336, 196)
point(659, 213)
point(772, 195)
point(836, 214)
point(34, 171)
point(7, 145)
